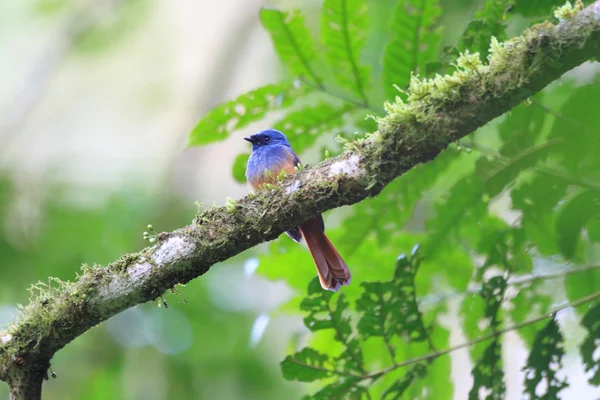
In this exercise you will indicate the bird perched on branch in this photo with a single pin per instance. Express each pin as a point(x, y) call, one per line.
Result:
point(272, 153)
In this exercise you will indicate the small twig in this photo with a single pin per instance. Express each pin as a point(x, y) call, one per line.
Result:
point(436, 354)
point(540, 169)
point(513, 281)
point(492, 335)
point(561, 116)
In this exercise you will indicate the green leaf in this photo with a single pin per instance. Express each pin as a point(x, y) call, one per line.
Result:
point(488, 374)
point(588, 349)
point(292, 42)
point(303, 127)
point(521, 128)
point(536, 8)
point(481, 314)
point(582, 284)
point(239, 167)
point(464, 205)
point(323, 314)
point(528, 300)
point(390, 308)
point(489, 21)
point(572, 218)
point(414, 43)
point(305, 366)
point(235, 114)
point(543, 363)
point(493, 294)
point(578, 128)
point(500, 172)
point(386, 215)
point(343, 33)
point(593, 229)
point(396, 391)
point(537, 199)
point(345, 388)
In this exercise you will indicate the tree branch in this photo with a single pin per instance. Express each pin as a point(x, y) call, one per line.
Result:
point(438, 112)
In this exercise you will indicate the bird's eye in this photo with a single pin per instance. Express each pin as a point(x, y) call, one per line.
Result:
point(267, 139)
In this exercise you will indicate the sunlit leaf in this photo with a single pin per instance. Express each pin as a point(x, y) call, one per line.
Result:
point(396, 391)
point(343, 32)
point(482, 314)
point(222, 120)
point(414, 43)
point(303, 127)
point(306, 366)
point(325, 313)
point(345, 388)
point(390, 308)
point(529, 302)
point(386, 215)
point(292, 42)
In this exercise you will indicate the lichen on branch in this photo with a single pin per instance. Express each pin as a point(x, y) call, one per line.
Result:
point(436, 112)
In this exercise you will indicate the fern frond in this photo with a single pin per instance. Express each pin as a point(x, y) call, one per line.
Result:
point(343, 32)
point(292, 42)
point(414, 44)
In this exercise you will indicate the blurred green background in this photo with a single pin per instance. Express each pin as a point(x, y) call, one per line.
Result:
point(97, 100)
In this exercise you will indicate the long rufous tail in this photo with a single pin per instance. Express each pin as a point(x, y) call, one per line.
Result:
point(331, 269)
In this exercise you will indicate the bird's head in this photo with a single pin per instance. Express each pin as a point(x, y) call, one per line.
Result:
point(268, 137)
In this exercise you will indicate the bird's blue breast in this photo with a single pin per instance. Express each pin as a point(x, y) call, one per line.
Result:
point(273, 158)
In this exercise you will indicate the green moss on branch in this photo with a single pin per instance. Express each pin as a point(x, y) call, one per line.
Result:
point(436, 113)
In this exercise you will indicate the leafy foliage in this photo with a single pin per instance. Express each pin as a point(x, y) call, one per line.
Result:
point(543, 363)
point(489, 21)
point(305, 366)
point(385, 309)
point(414, 43)
point(505, 217)
point(517, 199)
point(343, 28)
point(488, 373)
point(235, 114)
point(396, 391)
point(292, 42)
point(573, 216)
point(588, 349)
point(390, 308)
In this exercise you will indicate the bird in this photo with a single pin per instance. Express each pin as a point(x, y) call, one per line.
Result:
point(272, 152)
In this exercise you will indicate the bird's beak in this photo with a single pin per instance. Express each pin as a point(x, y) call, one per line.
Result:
point(249, 139)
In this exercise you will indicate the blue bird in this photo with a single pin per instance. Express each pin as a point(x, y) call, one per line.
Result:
point(272, 152)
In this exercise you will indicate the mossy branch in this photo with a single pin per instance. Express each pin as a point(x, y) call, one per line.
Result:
point(438, 112)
